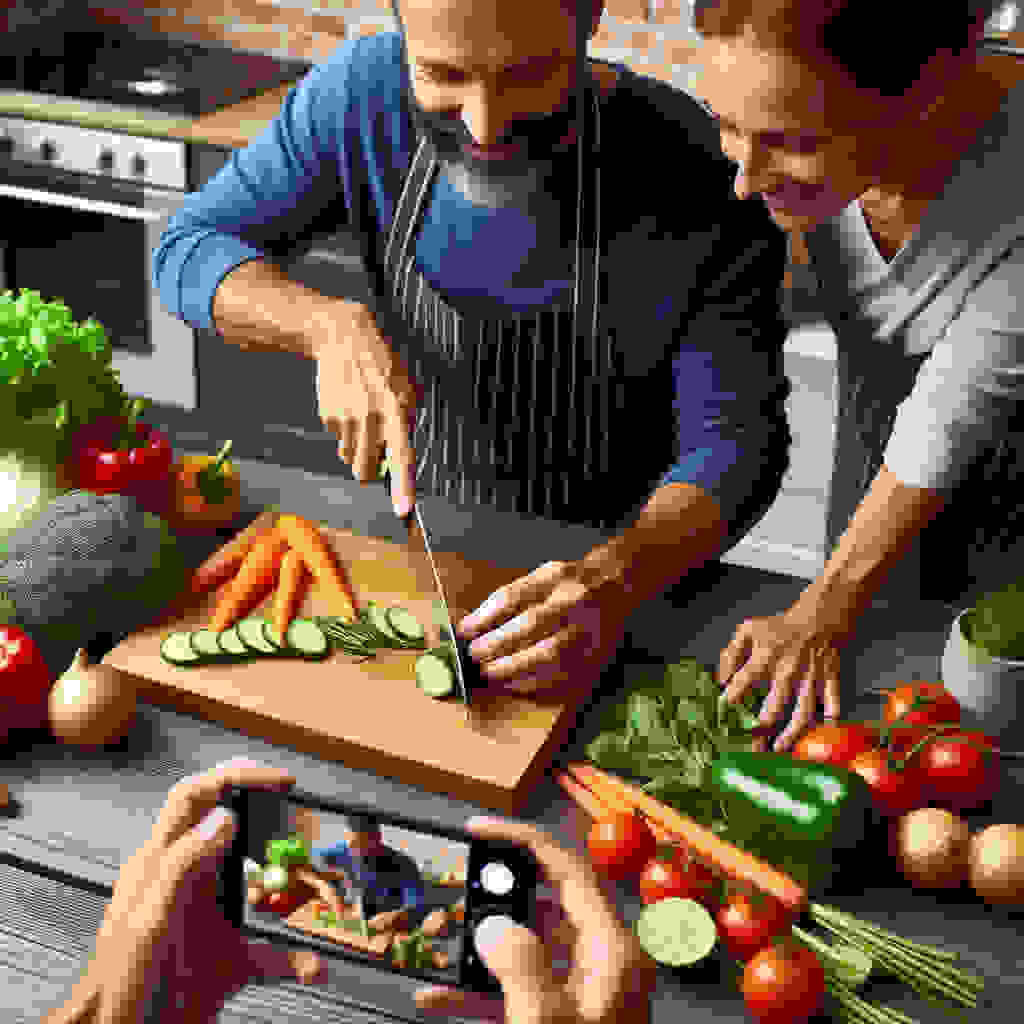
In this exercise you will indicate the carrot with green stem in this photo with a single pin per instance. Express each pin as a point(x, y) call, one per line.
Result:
point(256, 578)
point(728, 859)
point(290, 590)
point(305, 538)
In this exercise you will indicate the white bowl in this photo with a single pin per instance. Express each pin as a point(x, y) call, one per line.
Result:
point(988, 689)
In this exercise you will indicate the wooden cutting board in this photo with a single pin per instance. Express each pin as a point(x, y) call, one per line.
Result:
point(371, 715)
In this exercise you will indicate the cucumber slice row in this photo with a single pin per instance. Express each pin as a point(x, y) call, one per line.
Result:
point(251, 638)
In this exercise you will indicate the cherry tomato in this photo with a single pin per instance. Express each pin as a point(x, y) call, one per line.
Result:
point(284, 903)
point(958, 775)
point(834, 744)
point(893, 793)
point(783, 986)
point(747, 924)
point(672, 873)
point(940, 707)
point(620, 845)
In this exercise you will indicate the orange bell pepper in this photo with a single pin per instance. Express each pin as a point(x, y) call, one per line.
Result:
point(207, 494)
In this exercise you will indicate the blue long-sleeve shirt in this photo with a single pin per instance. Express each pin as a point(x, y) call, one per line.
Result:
point(389, 879)
point(694, 273)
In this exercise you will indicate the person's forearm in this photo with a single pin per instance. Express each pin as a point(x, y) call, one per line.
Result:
point(258, 306)
point(886, 522)
point(679, 529)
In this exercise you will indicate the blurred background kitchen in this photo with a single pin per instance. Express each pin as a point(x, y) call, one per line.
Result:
point(110, 113)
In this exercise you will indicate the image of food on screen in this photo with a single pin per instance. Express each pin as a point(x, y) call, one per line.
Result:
point(381, 892)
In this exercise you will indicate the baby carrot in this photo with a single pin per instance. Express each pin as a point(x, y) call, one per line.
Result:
point(255, 580)
point(222, 564)
point(599, 809)
point(729, 859)
point(290, 589)
point(305, 538)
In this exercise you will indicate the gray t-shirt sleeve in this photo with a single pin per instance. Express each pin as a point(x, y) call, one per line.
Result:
point(967, 389)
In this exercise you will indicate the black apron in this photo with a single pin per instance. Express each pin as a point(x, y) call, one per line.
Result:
point(532, 412)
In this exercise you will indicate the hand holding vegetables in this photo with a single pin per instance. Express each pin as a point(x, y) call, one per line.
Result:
point(164, 925)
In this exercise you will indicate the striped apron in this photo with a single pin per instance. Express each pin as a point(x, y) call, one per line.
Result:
point(541, 394)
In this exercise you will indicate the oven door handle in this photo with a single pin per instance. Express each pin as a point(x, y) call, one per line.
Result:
point(148, 213)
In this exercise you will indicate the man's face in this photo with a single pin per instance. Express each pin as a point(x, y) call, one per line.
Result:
point(495, 80)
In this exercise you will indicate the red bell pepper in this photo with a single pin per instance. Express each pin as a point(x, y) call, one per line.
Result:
point(124, 456)
point(25, 681)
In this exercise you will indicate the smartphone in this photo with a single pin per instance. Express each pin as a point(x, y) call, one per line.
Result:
point(378, 889)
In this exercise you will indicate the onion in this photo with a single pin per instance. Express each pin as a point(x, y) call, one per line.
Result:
point(92, 705)
point(931, 844)
point(995, 860)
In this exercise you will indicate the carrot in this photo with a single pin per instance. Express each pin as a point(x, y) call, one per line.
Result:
point(730, 860)
point(305, 538)
point(599, 809)
point(255, 580)
point(222, 564)
point(290, 589)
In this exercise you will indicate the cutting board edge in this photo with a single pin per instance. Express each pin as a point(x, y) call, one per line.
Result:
point(507, 800)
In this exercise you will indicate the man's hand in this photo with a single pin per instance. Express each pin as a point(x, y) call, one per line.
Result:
point(557, 627)
point(163, 926)
point(608, 977)
point(797, 651)
point(368, 400)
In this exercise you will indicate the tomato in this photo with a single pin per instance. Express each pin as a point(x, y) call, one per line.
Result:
point(958, 775)
point(747, 924)
point(284, 902)
point(834, 744)
point(672, 873)
point(939, 707)
point(784, 986)
point(620, 845)
point(893, 792)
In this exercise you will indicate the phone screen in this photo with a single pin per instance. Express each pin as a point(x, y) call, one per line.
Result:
point(355, 886)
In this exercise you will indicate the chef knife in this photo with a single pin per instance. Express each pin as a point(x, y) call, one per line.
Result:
point(467, 672)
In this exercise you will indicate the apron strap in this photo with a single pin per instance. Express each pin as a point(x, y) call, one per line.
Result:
point(410, 203)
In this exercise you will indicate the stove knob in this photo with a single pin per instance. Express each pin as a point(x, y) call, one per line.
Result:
point(138, 164)
point(48, 150)
point(106, 160)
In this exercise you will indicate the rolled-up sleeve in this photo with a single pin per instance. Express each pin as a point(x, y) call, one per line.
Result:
point(968, 388)
point(731, 385)
point(267, 193)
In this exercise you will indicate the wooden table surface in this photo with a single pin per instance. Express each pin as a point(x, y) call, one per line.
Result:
point(77, 816)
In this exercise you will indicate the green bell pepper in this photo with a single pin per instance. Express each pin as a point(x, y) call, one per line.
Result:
point(287, 852)
point(796, 801)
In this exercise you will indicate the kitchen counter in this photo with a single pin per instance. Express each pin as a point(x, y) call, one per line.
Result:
point(77, 816)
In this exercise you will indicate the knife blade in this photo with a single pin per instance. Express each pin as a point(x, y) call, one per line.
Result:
point(467, 672)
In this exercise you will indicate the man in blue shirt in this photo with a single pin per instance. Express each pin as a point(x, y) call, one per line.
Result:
point(571, 315)
point(387, 879)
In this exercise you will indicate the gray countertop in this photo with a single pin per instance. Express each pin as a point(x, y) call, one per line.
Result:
point(77, 816)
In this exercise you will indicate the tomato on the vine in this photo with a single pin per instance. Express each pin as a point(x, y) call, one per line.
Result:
point(919, 705)
point(673, 872)
point(784, 985)
point(834, 744)
point(894, 792)
point(620, 845)
point(748, 923)
point(960, 769)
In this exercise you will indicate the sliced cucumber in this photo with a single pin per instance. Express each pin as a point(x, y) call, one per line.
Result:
point(231, 643)
point(378, 618)
point(251, 633)
point(405, 624)
point(434, 675)
point(677, 932)
point(177, 650)
point(307, 639)
point(206, 644)
point(271, 637)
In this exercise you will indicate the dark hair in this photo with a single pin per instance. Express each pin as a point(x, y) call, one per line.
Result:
point(879, 52)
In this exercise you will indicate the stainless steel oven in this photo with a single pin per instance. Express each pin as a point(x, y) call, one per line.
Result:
point(81, 212)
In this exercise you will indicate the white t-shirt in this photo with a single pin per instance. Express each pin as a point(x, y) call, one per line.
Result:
point(938, 334)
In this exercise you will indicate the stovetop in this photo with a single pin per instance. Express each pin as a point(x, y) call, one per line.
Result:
point(139, 70)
